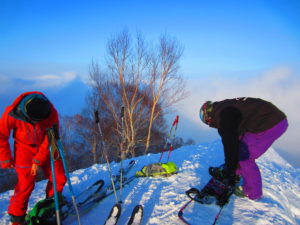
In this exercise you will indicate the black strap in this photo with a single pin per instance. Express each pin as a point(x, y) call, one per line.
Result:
point(191, 193)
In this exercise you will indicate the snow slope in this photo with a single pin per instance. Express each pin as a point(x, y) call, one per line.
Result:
point(163, 197)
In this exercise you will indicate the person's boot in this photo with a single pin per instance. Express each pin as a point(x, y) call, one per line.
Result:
point(17, 220)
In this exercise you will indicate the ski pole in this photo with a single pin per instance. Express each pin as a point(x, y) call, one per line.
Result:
point(168, 137)
point(122, 153)
point(218, 215)
point(165, 146)
point(62, 154)
point(173, 137)
point(54, 182)
point(96, 114)
point(103, 147)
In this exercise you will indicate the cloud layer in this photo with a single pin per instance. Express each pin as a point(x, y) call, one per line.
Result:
point(40, 82)
point(49, 84)
point(51, 80)
point(280, 86)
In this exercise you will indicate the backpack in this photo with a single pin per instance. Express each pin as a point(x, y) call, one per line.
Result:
point(158, 169)
point(43, 213)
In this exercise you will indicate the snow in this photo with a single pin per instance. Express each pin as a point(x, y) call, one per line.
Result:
point(163, 197)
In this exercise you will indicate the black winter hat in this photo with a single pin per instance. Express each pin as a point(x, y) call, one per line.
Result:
point(38, 108)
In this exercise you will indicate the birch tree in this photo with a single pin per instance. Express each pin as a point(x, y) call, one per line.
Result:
point(142, 78)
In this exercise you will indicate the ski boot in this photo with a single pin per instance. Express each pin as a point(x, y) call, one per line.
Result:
point(17, 220)
point(215, 191)
point(220, 173)
point(217, 172)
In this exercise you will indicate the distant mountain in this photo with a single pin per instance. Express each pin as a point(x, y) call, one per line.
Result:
point(68, 99)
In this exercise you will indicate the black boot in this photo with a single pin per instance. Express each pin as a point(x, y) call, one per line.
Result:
point(17, 220)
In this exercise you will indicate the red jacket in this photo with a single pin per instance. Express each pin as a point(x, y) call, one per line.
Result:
point(30, 139)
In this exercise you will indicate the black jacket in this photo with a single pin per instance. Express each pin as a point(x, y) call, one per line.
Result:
point(234, 117)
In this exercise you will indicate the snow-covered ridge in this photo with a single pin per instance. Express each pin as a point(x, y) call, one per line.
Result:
point(163, 197)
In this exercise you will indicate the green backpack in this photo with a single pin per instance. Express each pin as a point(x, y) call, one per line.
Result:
point(158, 169)
point(43, 213)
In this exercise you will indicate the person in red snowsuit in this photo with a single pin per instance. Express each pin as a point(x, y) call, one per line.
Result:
point(28, 117)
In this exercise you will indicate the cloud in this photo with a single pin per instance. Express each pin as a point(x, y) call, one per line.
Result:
point(6, 83)
point(279, 85)
point(51, 80)
point(40, 82)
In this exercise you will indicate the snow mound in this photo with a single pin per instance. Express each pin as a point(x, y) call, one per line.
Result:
point(163, 197)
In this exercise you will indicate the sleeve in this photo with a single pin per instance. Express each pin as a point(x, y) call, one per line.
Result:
point(230, 118)
point(6, 125)
point(42, 156)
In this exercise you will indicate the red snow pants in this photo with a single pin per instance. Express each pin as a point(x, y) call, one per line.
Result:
point(26, 182)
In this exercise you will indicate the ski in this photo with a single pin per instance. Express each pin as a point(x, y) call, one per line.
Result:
point(116, 211)
point(96, 198)
point(96, 190)
point(125, 171)
point(90, 192)
point(136, 215)
point(117, 177)
point(114, 215)
point(117, 182)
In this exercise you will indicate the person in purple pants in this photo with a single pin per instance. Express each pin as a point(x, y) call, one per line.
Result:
point(248, 127)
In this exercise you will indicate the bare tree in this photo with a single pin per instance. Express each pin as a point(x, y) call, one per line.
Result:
point(166, 84)
point(146, 81)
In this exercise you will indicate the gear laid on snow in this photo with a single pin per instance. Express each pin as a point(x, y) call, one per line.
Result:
point(43, 211)
point(158, 169)
point(86, 200)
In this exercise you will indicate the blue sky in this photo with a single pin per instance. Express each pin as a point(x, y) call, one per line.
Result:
point(231, 48)
point(219, 35)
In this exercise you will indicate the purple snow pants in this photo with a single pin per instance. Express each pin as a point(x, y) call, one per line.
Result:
point(252, 147)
